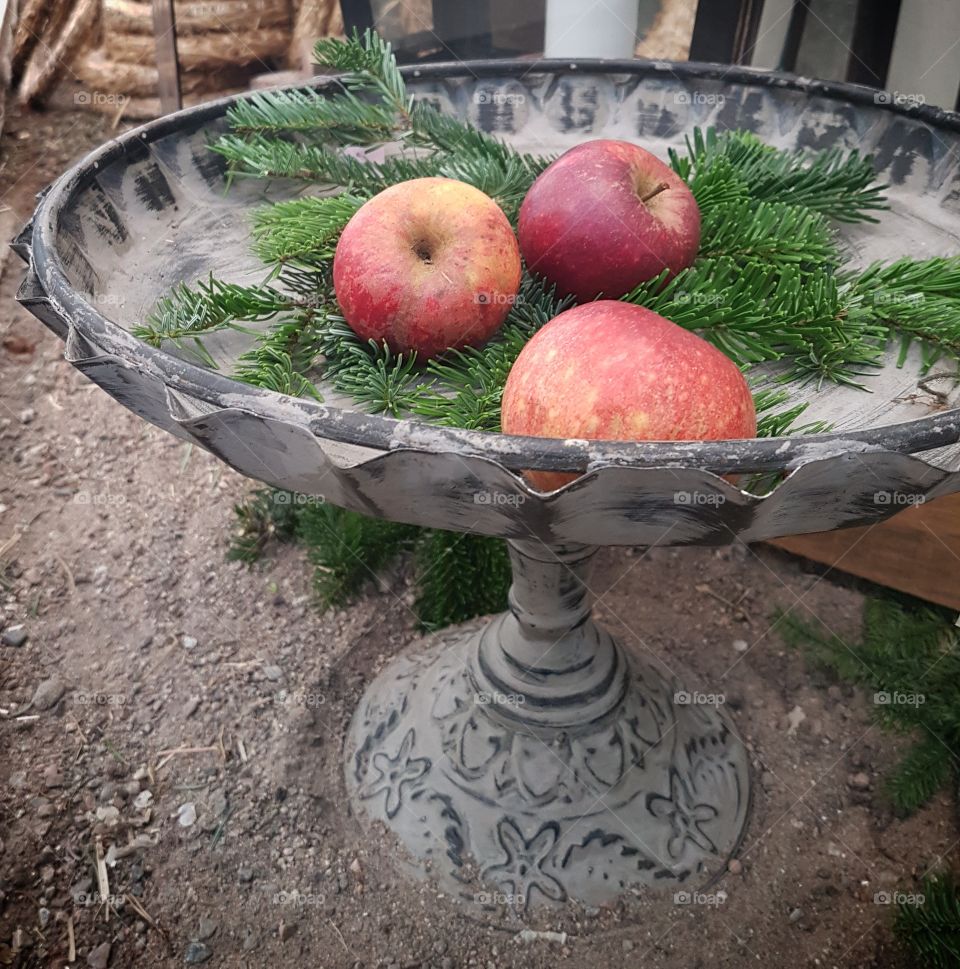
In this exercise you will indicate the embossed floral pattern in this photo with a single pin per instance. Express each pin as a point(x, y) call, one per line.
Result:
point(523, 869)
point(394, 774)
point(685, 815)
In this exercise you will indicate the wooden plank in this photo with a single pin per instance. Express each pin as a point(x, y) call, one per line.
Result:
point(8, 21)
point(57, 49)
point(916, 551)
point(165, 35)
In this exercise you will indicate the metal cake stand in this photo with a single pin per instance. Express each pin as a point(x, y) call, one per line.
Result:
point(528, 760)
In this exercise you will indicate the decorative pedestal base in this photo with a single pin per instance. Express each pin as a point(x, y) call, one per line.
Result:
point(528, 761)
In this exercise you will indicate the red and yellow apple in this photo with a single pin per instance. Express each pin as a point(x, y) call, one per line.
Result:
point(605, 217)
point(427, 265)
point(615, 371)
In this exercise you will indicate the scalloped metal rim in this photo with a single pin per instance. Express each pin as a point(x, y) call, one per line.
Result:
point(513, 452)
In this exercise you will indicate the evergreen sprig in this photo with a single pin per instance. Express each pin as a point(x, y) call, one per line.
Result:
point(458, 576)
point(191, 312)
point(905, 651)
point(303, 231)
point(840, 185)
point(279, 360)
point(929, 930)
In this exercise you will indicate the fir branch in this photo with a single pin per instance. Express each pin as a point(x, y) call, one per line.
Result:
point(279, 359)
point(302, 231)
point(908, 660)
point(261, 518)
point(772, 422)
point(930, 932)
point(773, 233)
point(260, 157)
point(841, 186)
point(919, 299)
point(306, 111)
point(460, 576)
point(212, 305)
point(444, 133)
point(921, 772)
point(758, 313)
point(367, 64)
point(347, 549)
point(383, 381)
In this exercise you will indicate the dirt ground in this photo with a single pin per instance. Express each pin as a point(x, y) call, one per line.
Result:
point(182, 717)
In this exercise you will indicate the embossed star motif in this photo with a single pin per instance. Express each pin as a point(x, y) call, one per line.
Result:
point(523, 868)
point(684, 814)
point(394, 774)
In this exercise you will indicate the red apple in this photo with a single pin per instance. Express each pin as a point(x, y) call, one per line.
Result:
point(614, 371)
point(606, 216)
point(427, 265)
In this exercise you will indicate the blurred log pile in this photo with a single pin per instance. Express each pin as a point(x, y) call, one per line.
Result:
point(106, 49)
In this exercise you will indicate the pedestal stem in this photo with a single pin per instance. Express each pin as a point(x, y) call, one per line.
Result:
point(545, 662)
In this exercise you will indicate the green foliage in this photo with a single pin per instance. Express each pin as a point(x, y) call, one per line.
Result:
point(279, 359)
point(303, 231)
point(906, 651)
point(457, 576)
point(748, 231)
point(460, 576)
point(347, 549)
point(920, 299)
point(262, 518)
point(191, 312)
point(839, 185)
point(930, 932)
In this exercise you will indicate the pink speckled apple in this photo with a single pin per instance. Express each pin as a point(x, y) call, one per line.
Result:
point(606, 216)
point(427, 265)
point(617, 372)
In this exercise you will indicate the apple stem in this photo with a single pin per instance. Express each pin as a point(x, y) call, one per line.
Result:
point(662, 187)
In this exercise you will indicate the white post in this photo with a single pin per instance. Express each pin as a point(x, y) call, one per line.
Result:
point(579, 28)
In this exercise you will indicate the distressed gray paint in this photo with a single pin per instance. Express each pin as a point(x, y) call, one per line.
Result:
point(502, 795)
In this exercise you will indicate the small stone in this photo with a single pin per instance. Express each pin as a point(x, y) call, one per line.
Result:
point(796, 915)
point(190, 707)
point(14, 636)
point(627, 945)
point(196, 953)
point(355, 866)
point(206, 929)
point(188, 642)
point(187, 814)
point(741, 645)
point(108, 814)
point(794, 718)
point(33, 576)
point(52, 777)
point(245, 875)
point(48, 694)
point(27, 415)
point(859, 781)
point(734, 866)
point(273, 673)
point(142, 801)
point(286, 930)
point(99, 957)
point(43, 917)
